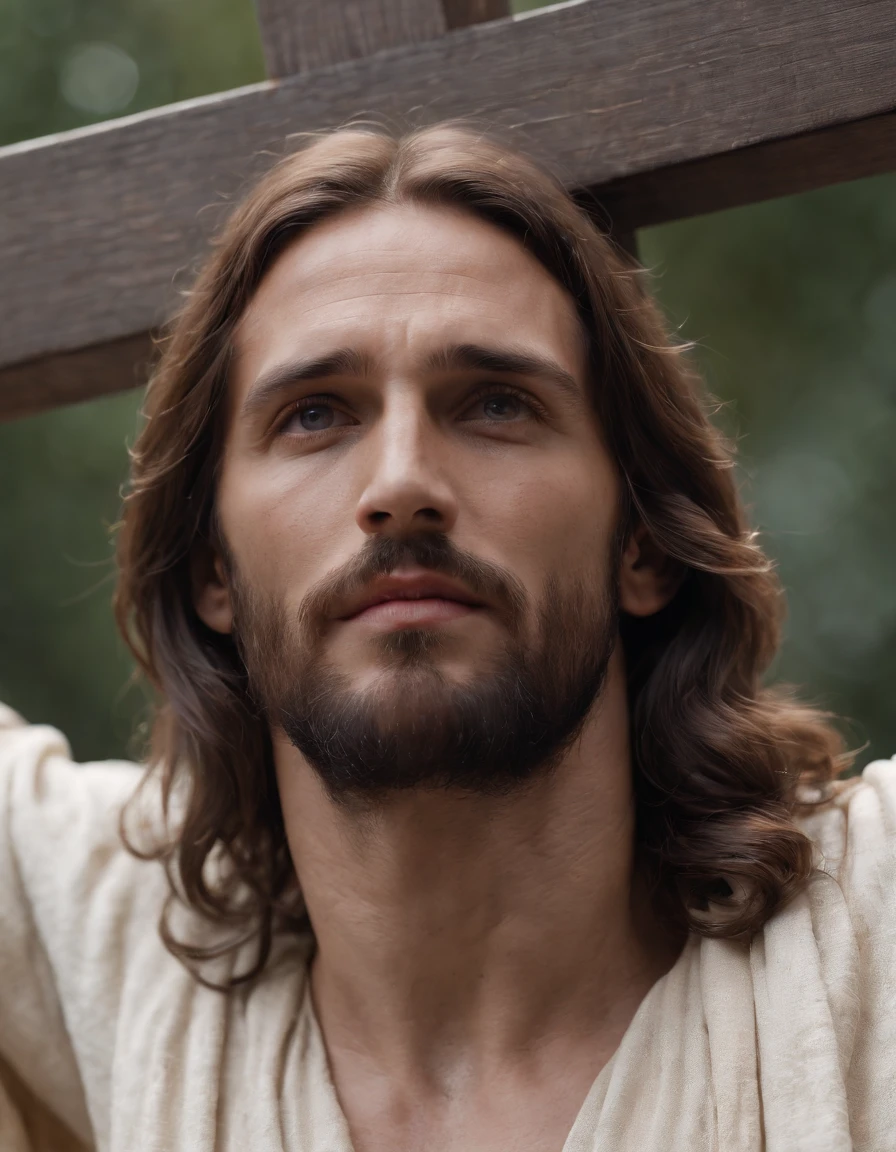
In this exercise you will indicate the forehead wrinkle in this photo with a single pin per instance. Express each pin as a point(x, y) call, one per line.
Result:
point(332, 269)
point(313, 288)
point(348, 256)
point(397, 294)
point(255, 314)
point(439, 279)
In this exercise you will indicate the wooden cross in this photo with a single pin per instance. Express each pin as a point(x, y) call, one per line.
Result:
point(660, 108)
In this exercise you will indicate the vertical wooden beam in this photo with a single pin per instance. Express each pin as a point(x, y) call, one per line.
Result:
point(627, 243)
point(299, 35)
point(621, 233)
point(460, 13)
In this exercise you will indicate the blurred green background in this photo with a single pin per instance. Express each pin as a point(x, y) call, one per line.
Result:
point(792, 304)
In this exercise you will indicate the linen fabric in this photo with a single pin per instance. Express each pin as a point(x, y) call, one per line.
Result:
point(108, 1043)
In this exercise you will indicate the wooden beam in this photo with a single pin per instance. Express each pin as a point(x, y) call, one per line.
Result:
point(300, 35)
point(96, 222)
point(748, 175)
point(82, 374)
point(461, 13)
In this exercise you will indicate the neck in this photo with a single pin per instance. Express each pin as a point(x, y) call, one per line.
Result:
point(473, 927)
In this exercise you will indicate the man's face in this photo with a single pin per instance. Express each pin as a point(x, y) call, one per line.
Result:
point(418, 508)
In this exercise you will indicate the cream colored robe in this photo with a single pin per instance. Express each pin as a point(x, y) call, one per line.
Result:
point(106, 1042)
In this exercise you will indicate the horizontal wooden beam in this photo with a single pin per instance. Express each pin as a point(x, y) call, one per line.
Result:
point(96, 223)
point(748, 175)
point(82, 374)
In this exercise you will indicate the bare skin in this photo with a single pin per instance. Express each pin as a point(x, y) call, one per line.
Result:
point(479, 958)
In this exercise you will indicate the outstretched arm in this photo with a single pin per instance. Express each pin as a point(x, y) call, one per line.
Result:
point(64, 900)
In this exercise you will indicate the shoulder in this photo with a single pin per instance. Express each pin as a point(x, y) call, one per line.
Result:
point(855, 838)
point(39, 781)
point(59, 820)
point(65, 867)
point(76, 909)
point(822, 977)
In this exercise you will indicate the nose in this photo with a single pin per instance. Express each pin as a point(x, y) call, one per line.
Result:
point(406, 489)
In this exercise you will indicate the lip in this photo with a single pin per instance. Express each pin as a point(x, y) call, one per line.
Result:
point(411, 598)
point(427, 612)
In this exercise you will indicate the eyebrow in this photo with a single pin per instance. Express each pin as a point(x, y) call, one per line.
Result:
point(280, 380)
point(505, 360)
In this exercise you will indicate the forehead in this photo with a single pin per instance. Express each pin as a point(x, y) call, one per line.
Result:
point(397, 281)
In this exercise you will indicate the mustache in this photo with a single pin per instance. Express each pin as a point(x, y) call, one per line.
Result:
point(382, 555)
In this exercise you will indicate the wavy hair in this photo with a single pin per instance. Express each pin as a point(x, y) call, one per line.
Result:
point(719, 759)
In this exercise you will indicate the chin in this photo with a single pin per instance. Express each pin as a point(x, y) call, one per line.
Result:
point(424, 651)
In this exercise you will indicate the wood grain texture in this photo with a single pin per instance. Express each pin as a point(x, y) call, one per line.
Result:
point(96, 223)
point(748, 175)
point(300, 35)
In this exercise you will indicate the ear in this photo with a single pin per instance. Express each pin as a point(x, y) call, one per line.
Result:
point(211, 591)
point(648, 578)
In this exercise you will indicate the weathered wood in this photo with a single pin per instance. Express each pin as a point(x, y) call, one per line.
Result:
point(299, 35)
point(460, 13)
point(762, 172)
point(95, 222)
point(84, 374)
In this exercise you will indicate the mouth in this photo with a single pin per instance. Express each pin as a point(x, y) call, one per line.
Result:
point(412, 600)
point(426, 612)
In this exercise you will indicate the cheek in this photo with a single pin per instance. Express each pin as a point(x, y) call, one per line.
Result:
point(556, 518)
point(281, 528)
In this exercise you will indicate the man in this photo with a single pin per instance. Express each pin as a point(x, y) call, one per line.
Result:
point(469, 820)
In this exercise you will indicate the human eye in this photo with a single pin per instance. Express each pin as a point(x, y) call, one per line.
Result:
point(502, 404)
point(313, 415)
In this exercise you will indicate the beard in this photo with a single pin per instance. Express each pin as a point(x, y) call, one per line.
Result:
point(414, 727)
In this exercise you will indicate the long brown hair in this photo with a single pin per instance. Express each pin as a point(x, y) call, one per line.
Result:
point(718, 758)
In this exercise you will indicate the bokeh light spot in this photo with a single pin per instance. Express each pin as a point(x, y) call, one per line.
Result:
point(99, 78)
